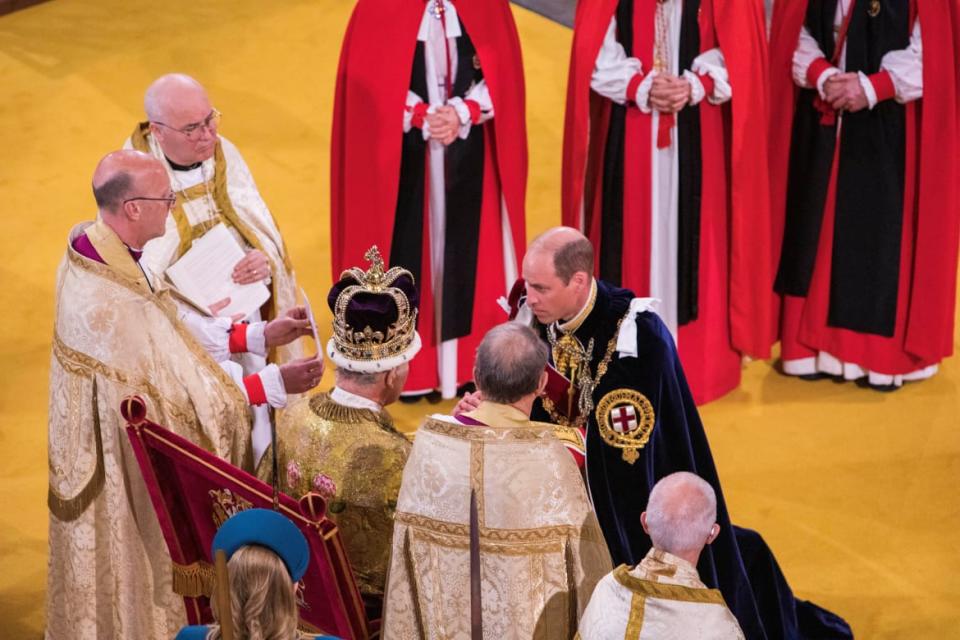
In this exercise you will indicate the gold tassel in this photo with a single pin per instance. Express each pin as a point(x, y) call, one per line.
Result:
point(193, 580)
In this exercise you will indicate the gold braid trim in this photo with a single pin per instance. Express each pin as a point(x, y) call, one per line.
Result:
point(225, 211)
point(539, 534)
point(81, 364)
point(476, 482)
point(635, 622)
point(327, 409)
point(162, 298)
point(69, 509)
point(664, 591)
point(498, 548)
point(474, 433)
point(193, 580)
point(222, 198)
point(103, 270)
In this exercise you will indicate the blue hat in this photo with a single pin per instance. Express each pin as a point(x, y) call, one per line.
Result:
point(268, 529)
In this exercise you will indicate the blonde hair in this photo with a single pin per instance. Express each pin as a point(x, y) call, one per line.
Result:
point(262, 597)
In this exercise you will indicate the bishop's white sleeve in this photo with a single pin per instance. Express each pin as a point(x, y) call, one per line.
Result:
point(218, 336)
point(213, 334)
point(614, 71)
point(474, 108)
point(709, 64)
point(262, 388)
point(905, 67)
point(809, 60)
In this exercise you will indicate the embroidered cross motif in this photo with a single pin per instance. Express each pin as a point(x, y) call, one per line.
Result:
point(624, 419)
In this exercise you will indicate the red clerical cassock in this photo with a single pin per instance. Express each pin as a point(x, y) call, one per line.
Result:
point(435, 197)
point(865, 183)
point(675, 197)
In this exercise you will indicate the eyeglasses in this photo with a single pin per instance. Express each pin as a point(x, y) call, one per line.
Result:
point(170, 200)
point(192, 131)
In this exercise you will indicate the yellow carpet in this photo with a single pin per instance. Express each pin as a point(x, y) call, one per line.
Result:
point(854, 490)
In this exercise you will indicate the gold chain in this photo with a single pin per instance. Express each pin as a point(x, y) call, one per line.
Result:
point(586, 390)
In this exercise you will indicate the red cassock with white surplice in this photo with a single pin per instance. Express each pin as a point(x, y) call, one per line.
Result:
point(451, 214)
point(677, 205)
point(867, 201)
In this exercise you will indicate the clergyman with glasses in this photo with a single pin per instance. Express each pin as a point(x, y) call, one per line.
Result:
point(117, 333)
point(213, 185)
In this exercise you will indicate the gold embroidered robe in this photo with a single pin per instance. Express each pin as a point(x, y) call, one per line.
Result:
point(355, 458)
point(541, 548)
point(227, 194)
point(662, 597)
point(109, 570)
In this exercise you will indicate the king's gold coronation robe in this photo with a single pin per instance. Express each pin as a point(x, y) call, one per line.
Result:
point(541, 549)
point(662, 597)
point(354, 457)
point(222, 190)
point(109, 569)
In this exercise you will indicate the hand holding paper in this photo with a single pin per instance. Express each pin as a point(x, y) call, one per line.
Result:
point(204, 275)
point(288, 327)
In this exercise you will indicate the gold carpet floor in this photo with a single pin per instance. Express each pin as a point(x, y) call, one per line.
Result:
point(856, 491)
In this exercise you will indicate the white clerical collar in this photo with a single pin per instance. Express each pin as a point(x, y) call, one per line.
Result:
point(352, 400)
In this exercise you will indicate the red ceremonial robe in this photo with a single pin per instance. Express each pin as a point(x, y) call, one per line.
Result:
point(926, 292)
point(372, 82)
point(736, 261)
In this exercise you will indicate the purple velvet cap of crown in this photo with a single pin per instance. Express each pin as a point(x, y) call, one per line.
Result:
point(375, 310)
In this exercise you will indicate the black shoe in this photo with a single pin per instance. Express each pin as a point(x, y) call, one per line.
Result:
point(465, 388)
point(864, 383)
point(819, 375)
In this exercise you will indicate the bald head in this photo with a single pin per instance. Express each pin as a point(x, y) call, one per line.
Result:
point(681, 514)
point(570, 250)
point(167, 92)
point(133, 193)
point(119, 174)
point(510, 361)
point(182, 120)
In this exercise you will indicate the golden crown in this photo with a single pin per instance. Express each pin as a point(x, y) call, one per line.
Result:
point(368, 343)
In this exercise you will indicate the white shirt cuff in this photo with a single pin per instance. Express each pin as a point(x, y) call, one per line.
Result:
point(868, 89)
point(273, 386)
point(643, 92)
point(463, 113)
point(714, 65)
point(256, 341)
point(832, 71)
point(697, 92)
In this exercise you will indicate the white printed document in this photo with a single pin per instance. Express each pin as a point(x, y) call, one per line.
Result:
point(204, 275)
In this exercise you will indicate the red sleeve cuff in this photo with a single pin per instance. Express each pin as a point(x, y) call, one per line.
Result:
point(474, 107)
point(816, 68)
point(255, 391)
point(238, 338)
point(708, 84)
point(632, 87)
point(882, 85)
point(419, 114)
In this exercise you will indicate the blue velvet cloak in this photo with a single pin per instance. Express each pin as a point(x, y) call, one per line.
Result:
point(738, 562)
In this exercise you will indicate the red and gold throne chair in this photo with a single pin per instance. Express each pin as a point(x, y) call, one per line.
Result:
point(193, 492)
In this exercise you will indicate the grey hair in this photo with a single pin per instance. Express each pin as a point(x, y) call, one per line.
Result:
point(359, 378)
point(509, 362)
point(681, 512)
point(111, 193)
